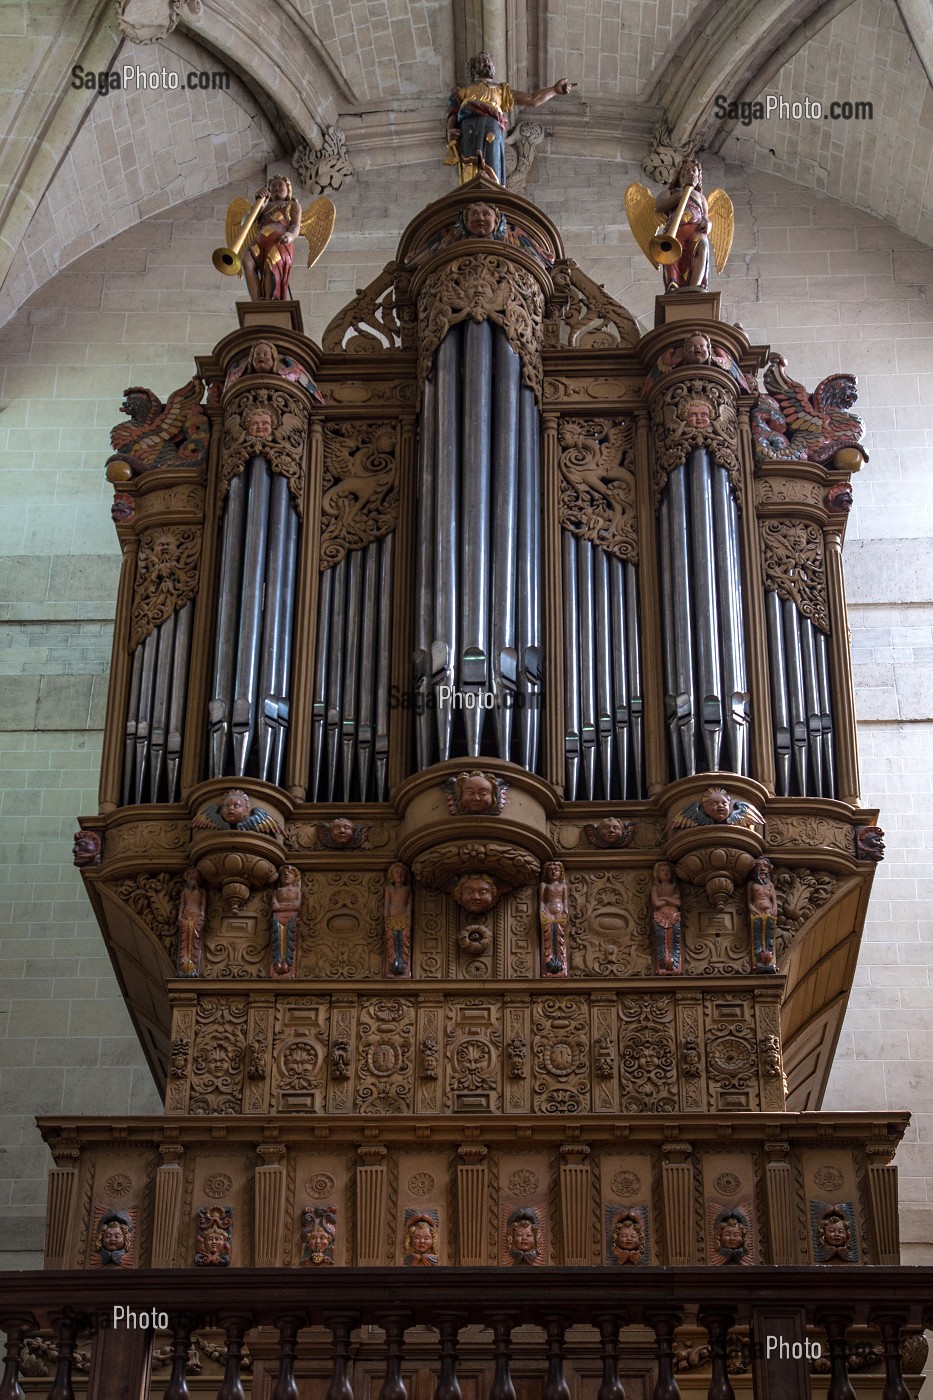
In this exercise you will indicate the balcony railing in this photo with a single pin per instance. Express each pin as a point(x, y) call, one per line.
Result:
point(767, 1329)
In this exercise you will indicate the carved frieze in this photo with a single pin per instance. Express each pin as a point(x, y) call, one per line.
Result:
point(480, 287)
point(597, 486)
point(268, 423)
point(360, 489)
point(694, 413)
point(166, 577)
point(607, 913)
point(793, 567)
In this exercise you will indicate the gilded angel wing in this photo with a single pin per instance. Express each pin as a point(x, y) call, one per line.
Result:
point(317, 225)
point(690, 816)
point(237, 211)
point(745, 814)
point(260, 820)
point(209, 819)
point(643, 218)
point(722, 226)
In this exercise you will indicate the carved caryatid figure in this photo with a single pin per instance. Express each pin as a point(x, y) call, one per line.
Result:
point(761, 898)
point(553, 901)
point(397, 917)
point(286, 904)
point(478, 119)
point(192, 907)
point(665, 898)
point(690, 222)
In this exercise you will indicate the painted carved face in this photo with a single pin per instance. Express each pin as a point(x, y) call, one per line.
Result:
point(716, 805)
point(763, 871)
point(689, 173)
point(553, 871)
point(278, 187)
point(698, 416)
point(260, 425)
point(523, 1237)
point(318, 1244)
point(663, 872)
point(477, 894)
point(477, 794)
point(731, 1235)
point(398, 874)
point(610, 830)
point(215, 1242)
point(835, 1232)
point(234, 807)
point(482, 66)
point(112, 1237)
point(698, 350)
point(288, 876)
point(341, 831)
point(263, 357)
point(420, 1240)
point(481, 220)
point(626, 1236)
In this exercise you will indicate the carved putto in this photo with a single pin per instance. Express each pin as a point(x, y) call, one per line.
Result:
point(665, 899)
point(235, 812)
point(318, 1236)
point(523, 1237)
point(789, 424)
point(717, 808)
point(627, 1235)
point(215, 1235)
point(553, 906)
point(610, 833)
point(113, 1239)
point(87, 848)
point(834, 1235)
point(260, 237)
point(475, 794)
point(476, 892)
point(420, 1239)
point(286, 904)
point(264, 358)
point(192, 908)
point(397, 907)
point(698, 349)
point(694, 413)
point(731, 1237)
point(173, 434)
point(341, 835)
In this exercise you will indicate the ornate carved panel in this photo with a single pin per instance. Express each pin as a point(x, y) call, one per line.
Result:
point(284, 446)
point(340, 935)
point(561, 1055)
point(299, 1068)
point(681, 424)
point(474, 1056)
point(219, 1055)
point(731, 1053)
point(648, 1072)
point(360, 488)
point(609, 922)
point(597, 486)
point(167, 569)
point(793, 567)
point(386, 1040)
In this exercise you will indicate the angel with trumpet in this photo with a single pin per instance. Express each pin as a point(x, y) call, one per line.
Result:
point(675, 229)
point(261, 238)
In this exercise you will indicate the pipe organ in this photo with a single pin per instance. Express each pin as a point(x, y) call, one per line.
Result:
point(481, 750)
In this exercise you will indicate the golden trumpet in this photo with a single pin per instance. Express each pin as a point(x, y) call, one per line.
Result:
point(227, 260)
point(666, 247)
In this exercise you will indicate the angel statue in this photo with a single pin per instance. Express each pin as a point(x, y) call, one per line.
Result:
point(478, 118)
point(690, 222)
point(261, 238)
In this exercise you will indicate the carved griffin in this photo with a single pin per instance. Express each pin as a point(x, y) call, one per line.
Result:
point(788, 424)
point(173, 434)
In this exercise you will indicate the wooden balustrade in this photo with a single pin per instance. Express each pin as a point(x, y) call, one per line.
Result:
point(583, 1314)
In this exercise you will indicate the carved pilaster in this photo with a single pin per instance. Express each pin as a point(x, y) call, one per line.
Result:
point(840, 666)
point(473, 1205)
point(428, 1085)
point(604, 1074)
point(258, 1055)
point(677, 1186)
point(882, 1185)
point(63, 1181)
point(372, 1189)
point(779, 1195)
point(167, 1210)
point(517, 1040)
point(575, 1204)
point(270, 1208)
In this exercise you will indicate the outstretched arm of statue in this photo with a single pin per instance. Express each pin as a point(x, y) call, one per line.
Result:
point(537, 99)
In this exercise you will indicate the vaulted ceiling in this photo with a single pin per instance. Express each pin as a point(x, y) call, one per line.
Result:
point(380, 70)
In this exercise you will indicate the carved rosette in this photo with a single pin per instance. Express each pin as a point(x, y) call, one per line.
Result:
point(166, 577)
point(283, 448)
point(483, 287)
point(360, 496)
point(597, 483)
point(793, 567)
point(675, 437)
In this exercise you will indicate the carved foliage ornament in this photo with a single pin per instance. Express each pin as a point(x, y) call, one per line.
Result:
point(166, 577)
point(269, 423)
point(154, 900)
point(597, 483)
point(326, 168)
point(148, 21)
point(793, 567)
point(360, 497)
point(583, 316)
point(370, 323)
point(481, 287)
point(694, 413)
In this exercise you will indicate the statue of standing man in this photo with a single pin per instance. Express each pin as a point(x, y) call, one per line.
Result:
point(477, 119)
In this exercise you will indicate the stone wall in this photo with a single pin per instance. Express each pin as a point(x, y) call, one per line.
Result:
point(831, 287)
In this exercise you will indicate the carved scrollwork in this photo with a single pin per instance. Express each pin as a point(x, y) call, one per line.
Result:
point(646, 1049)
point(386, 1052)
point(481, 287)
point(583, 316)
point(810, 831)
point(166, 577)
point(219, 1056)
point(325, 168)
point(793, 567)
point(269, 423)
point(604, 915)
point(597, 486)
point(800, 894)
point(561, 1055)
point(370, 323)
point(154, 899)
point(694, 413)
point(439, 867)
point(524, 140)
point(360, 497)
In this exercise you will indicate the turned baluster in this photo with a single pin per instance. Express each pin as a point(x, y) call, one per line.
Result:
point(177, 1388)
point(835, 1325)
point(286, 1387)
point(448, 1387)
point(611, 1387)
point(231, 1387)
point(717, 1325)
point(393, 1387)
point(555, 1383)
point(889, 1325)
point(340, 1387)
point(664, 1324)
point(16, 1329)
point(68, 1327)
point(502, 1387)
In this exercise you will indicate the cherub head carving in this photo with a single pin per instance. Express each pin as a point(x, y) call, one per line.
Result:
point(476, 893)
point(475, 793)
